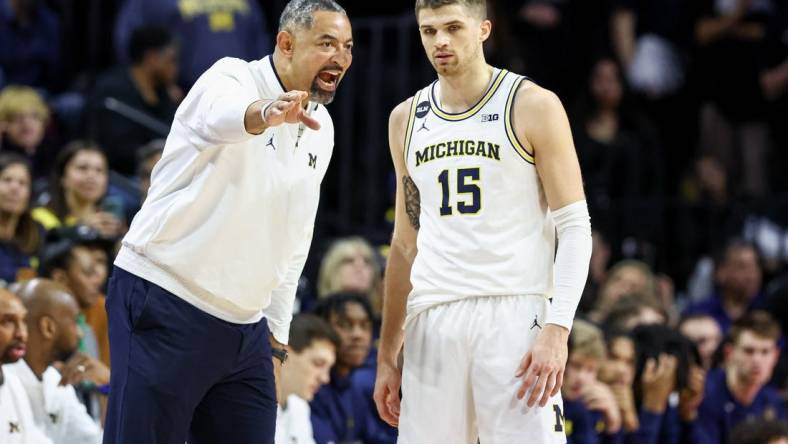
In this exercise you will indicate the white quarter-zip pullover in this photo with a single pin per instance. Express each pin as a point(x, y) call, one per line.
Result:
point(229, 217)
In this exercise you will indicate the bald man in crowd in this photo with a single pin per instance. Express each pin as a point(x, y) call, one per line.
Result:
point(16, 417)
point(53, 336)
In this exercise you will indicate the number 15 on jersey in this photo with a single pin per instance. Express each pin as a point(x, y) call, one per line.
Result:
point(467, 184)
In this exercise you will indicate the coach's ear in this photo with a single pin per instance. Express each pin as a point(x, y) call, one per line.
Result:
point(284, 42)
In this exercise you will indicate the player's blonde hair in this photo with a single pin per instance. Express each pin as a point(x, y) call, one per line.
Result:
point(477, 6)
point(18, 99)
point(587, 340)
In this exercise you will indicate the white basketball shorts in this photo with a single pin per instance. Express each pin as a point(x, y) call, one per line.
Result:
point(458, 383)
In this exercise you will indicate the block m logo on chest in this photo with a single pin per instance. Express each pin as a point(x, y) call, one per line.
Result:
point(312, 160)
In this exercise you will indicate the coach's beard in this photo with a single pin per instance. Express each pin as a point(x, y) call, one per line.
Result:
point(319, 95)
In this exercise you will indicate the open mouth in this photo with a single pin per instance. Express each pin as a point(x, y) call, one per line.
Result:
point(328, 79)
point(17, 352)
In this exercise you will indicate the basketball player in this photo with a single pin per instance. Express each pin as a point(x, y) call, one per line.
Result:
point(208, 271)
point(487, 175)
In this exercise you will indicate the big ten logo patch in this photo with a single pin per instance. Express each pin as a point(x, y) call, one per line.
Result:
point(489, 117)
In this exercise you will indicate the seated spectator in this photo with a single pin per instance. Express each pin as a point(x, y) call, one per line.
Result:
point(69, 258)
point(618, 373)
point(616, 147)
point(343, 410)
point(24, 115)
point(16, 415)
point(634, 310)
point(761, 431)
point(738, 277)
point(77, 193)
point(148, 87)
point(626, 277)
point(350, 264)
point(666, 363)
point(312, 352)
point(705, 333)
point(733, 116)
point(206, 31)
point(777, 306)
point(53, 337)
point(707, 218)
point(591, 414)
point(740, 390)
point(30, 53)
point(20, 235)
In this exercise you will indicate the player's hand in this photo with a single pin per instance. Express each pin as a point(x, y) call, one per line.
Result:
point(289, 108)
point(542, 368)
point(387, 384)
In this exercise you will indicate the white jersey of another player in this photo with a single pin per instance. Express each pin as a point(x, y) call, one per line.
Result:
point(485, 227)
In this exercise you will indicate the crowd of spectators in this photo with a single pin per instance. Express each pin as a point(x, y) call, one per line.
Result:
point(678, 111)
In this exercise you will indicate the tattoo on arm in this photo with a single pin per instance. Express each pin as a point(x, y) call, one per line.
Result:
point(412, 200)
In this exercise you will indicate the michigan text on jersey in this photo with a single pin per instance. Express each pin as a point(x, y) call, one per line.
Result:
point(458, 148)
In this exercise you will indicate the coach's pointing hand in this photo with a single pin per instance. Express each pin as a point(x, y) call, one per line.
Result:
point(287, 108)
point(542, 368)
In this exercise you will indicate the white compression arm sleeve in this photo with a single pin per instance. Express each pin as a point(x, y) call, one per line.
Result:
point(571, 261)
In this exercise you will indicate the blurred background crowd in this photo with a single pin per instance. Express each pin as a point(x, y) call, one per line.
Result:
point(679, 112)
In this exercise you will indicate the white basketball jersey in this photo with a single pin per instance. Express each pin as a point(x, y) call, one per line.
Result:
point(485, 228)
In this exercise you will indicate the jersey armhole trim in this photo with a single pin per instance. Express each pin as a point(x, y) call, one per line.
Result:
point(508, 117)
point(409, 128)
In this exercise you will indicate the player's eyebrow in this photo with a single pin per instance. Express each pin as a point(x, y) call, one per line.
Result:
point(453, 22)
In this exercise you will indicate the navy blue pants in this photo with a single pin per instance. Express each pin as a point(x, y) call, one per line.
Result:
point(180, 374)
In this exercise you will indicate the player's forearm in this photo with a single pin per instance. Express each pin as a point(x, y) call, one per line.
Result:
point(396, 289)
point(571, 262)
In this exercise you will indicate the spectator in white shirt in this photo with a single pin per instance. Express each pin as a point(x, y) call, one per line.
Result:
point(53, 336)
point(312, 351)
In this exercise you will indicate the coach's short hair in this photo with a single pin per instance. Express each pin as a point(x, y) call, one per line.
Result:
point(300, 14)
point(477, 6)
